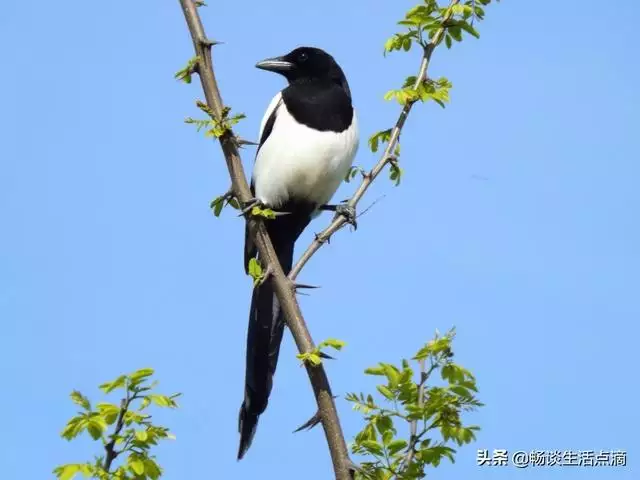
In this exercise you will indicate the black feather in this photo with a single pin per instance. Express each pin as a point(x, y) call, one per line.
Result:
point(266, 323)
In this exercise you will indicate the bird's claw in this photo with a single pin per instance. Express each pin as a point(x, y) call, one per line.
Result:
point(344, 210)
point(248, 205)
point(254, 202)
point(349, 214)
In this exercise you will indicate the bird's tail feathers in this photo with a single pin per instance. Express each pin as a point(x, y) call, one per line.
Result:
point(266, 327)
point(247, 425)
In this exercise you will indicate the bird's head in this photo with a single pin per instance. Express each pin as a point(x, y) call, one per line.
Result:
point(304, 64)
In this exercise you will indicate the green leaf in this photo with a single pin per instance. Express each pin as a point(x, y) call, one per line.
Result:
point(372, 447)
point(353, 171)
point(396, 446)
point(467, 27)
point(217, 204)
point(74, 427)
point(141, 374)
point(384, 423)
point(263, 212)
point(162, 400)
point(374, 371)
point(385, 392)
point(69, 471)
point(217, 125)
point(447, 40)
point(185, 73)
point(255, 270)
point(395, 173)
point(109, 412)
point(152, 469)
point(310, 358)
point(376, 138)
point(233, 202)
point(141, 435)
point(144, 404)
point(456, 33)
point(111, 386)
point(81, 400)
point(96, 427)
point(392, 374)
point(460, 390)
point(387, 436)
point(333, 343)
point(136, 465)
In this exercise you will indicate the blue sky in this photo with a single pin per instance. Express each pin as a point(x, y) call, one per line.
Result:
point(516, 222)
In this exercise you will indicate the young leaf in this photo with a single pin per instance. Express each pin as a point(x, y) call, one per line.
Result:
point(111, 386)
point(81, 400)
point(141, 374)
point(311, 358)
point(255, 270)
point(109, 412)
point(185, 73)
point(331, 342)
point(263, 212)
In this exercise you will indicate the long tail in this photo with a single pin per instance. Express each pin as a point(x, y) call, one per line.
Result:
point(266, 327)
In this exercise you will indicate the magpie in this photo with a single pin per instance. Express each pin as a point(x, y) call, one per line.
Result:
point(308, 139)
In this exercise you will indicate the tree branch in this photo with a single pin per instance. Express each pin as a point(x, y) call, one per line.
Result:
point(340, 221)
point(110, 447)
point(413, 429)
point(283, 287)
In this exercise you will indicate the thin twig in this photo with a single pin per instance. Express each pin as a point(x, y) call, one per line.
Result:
point(340, 221)
point(282, 286)
point(414, 437)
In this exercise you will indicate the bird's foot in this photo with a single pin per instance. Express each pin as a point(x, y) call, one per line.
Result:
point(264, 210)
point(345, 210)
point(248, 205)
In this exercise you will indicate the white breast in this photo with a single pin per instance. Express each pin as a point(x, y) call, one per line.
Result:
point(297, 162)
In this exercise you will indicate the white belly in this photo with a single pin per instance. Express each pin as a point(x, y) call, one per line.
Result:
point(297, 162)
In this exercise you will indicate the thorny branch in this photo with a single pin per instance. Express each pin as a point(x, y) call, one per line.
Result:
point(339, 220)
point(283, 287)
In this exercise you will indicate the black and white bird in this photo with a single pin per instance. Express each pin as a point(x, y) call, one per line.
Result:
point(308, 139)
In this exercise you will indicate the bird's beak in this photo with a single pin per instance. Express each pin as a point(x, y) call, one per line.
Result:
point(275, 64)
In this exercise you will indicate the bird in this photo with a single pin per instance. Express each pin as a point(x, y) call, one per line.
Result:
point(307, 142)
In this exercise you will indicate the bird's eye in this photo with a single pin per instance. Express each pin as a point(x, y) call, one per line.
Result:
point(302, 57)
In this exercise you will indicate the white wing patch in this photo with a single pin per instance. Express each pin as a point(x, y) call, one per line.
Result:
point(298, 162)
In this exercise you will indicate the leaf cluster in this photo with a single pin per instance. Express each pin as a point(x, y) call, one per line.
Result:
point(186, 73)
point(126, 431)
point(430, 414)
point(315, 356)
point(427, 25)
point(423, 21)
point(215, 126)
point(218, 203)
